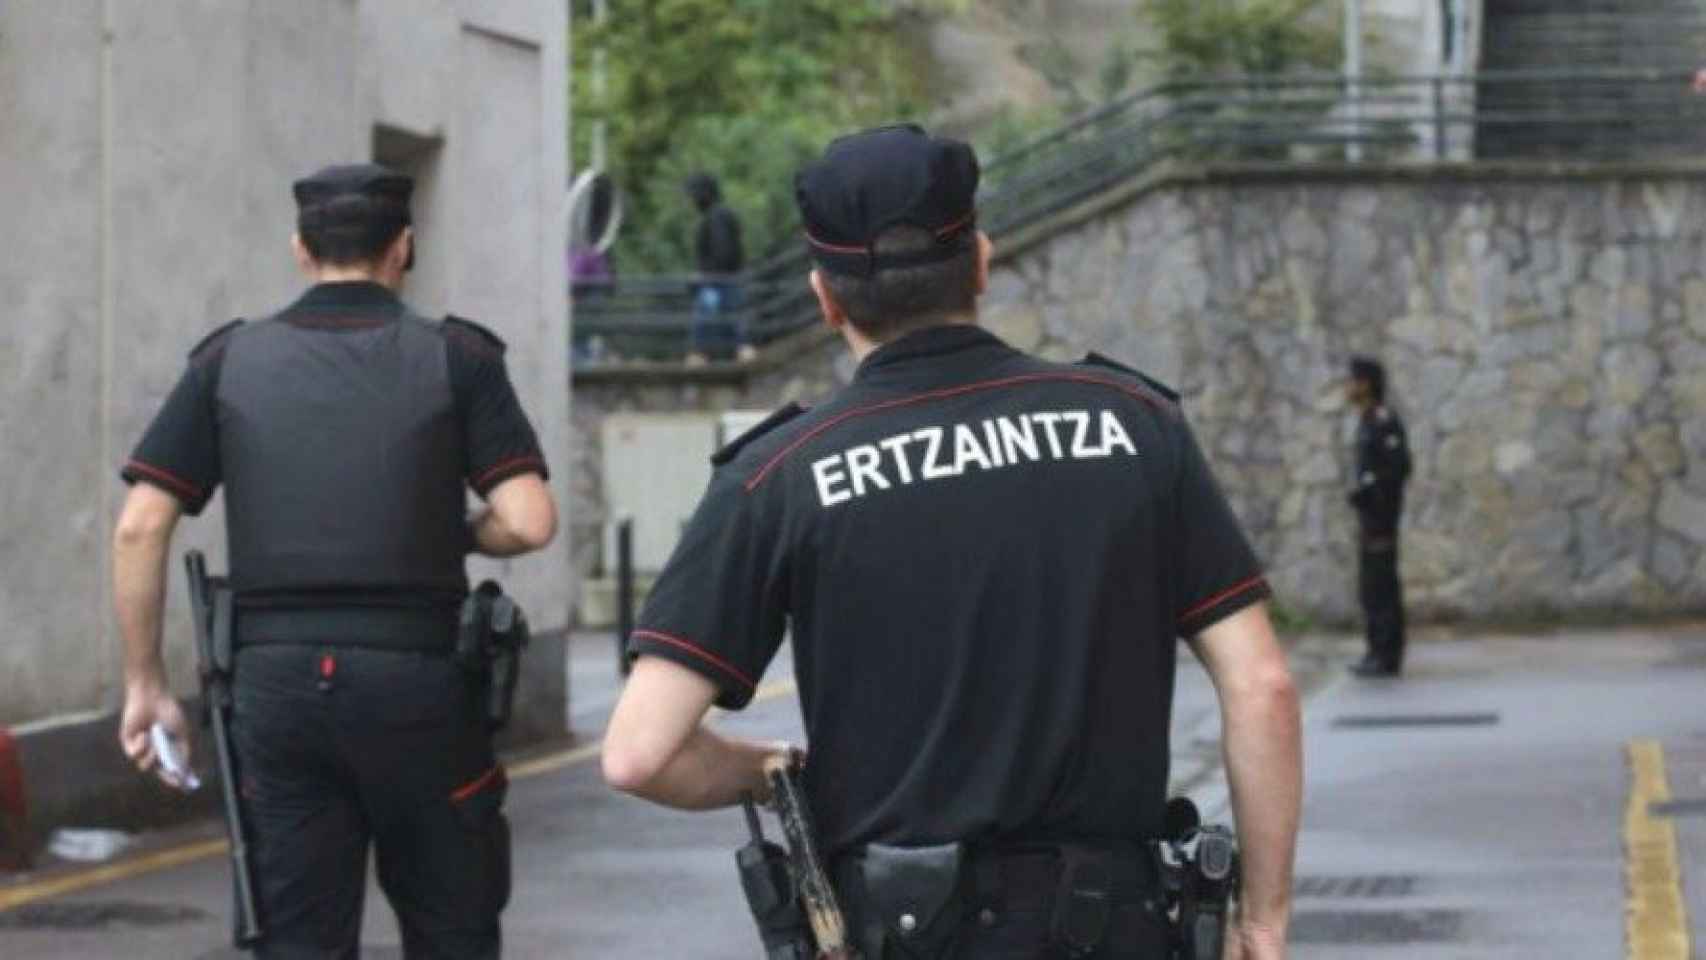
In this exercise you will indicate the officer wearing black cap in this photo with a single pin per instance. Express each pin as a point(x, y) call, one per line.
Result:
point(1382, 469)
point(984, 560)
point(344, 430)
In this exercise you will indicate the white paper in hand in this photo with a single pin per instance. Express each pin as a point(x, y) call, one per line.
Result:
point(173, 769)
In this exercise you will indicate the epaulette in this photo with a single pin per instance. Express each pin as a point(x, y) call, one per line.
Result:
point(1094, 359)
point(733, 448)
point(213, 339)
point(476, 334)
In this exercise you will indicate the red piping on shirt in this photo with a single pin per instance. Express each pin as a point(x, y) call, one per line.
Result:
point(703, 654)
point(173, 482)
point(837, 420)
point(1226, 594)
point(530, 460)
point(476, 785)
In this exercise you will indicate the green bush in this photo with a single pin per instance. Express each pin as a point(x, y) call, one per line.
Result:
point(746, 90)
point(1207, 37)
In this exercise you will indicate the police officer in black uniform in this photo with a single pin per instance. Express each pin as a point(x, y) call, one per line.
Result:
point(1382, 469)
point(344, 430)
point(985, 561)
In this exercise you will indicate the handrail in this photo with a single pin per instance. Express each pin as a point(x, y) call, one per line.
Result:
point(1292, 118)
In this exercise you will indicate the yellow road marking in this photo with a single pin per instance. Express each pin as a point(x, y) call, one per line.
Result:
point(1657, 916)
point(111, 873)
point(47, 889)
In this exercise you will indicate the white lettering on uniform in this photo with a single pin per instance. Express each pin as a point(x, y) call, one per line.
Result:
point(1016, 437)
point(991, 444)
point(933, 468)
point(1048, 420)
point(1080, 420)
point(967, 449)
point(862, 464)
point(827, 477)
point(1114, 435)
point(896, 446)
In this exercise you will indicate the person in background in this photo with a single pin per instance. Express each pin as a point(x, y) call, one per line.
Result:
point(719, 258)
point(1382, 469)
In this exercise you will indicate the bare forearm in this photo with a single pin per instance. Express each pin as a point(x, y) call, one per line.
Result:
point(1264, 761)
point(139, 595)
point(709, 771)
point(493, 538)
point(520, 517)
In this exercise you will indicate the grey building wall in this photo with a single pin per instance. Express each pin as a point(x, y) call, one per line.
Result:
point(146, 152)
point(1545, 333)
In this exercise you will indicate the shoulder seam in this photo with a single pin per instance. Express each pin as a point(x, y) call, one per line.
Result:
point(215, 341)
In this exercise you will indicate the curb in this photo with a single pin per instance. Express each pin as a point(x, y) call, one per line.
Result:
point(14, 811)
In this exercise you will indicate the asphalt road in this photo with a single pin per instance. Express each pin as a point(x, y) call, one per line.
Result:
point(1474, 809)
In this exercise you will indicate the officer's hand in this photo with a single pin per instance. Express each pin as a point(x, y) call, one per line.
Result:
point(777, 751)
point(1252, 941)
point(145, 706)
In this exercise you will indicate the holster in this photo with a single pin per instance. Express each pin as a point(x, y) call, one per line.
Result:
point(774, 901)
point(491, 634)
point(905, 901)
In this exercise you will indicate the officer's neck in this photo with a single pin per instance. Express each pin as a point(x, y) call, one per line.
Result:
point(863, 346)
point(339, 273)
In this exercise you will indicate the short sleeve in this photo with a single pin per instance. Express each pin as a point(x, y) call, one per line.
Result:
point(499, 442)
point(179, 453)
point(1218, 574)
point(719, 608)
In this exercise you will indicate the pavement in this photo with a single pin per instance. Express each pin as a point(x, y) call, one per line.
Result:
point(1513, 795)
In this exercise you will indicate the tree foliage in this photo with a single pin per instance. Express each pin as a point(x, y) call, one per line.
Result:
point(1199, 37)
point(747, 90)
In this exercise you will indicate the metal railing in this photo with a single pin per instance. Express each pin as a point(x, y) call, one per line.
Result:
point(1297, 120)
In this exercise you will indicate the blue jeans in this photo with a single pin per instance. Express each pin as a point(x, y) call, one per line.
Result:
point(711, 330)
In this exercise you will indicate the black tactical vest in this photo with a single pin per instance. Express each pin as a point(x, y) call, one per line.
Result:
point(342, 457)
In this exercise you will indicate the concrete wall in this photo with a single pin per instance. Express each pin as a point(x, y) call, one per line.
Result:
point(146, 152)
point(1545, 331)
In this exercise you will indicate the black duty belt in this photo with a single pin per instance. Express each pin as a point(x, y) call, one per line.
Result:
point(426, 629)
point(921, 897)
point(1031, 877)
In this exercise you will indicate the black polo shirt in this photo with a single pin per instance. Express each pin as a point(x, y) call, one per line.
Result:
point(986, 560)
point(345, 429)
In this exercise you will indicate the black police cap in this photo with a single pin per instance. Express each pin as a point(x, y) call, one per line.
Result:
point(352, 191)
point(1367, 368)
point(869, 182)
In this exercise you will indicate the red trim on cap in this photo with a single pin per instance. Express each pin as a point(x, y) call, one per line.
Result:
point(1223, 596)
point(172, 482)
point(833, 247)
point(689, 646)
point(957, 225)
point(812, 434)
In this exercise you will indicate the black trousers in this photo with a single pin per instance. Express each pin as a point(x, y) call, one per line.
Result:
point(343, 748)
point(1382, 600)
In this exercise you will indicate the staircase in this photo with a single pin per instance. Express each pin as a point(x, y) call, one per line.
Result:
point(1586, 118)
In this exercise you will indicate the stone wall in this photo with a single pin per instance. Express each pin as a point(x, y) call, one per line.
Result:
point(1545, 332)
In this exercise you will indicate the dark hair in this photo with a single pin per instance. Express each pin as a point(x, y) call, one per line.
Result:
point(350, 230)
point(704, 190)
point(1369, 371)
point(899, 299)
